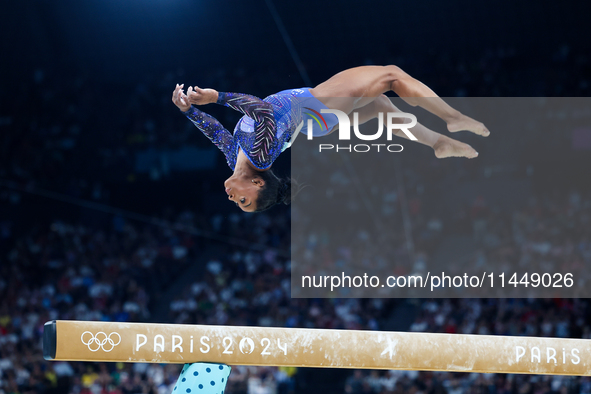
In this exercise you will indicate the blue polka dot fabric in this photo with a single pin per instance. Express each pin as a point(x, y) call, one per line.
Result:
point(202, 378)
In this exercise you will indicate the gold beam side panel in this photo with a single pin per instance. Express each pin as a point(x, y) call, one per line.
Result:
point(175, 343)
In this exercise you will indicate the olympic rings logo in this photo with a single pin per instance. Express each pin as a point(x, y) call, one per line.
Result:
point(100, 341)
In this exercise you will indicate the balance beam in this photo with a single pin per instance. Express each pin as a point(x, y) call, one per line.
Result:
point(297, 347)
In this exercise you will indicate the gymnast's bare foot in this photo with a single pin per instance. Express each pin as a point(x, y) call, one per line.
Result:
point(463, 122)
point(447, 147)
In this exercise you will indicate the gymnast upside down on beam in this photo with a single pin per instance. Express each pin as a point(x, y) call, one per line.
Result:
point(267, 126)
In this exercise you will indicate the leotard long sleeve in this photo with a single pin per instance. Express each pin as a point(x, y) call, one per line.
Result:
point(216, 133)
point(262, 133)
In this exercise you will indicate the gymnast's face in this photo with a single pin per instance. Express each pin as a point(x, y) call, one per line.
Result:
point(244, 191)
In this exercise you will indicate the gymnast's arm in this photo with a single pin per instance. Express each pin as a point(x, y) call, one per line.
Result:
point(253, 107)
point(208, 125)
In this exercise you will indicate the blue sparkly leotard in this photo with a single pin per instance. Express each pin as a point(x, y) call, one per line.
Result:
point(267, 127)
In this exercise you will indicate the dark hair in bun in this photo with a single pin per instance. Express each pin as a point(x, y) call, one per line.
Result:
point(275, 191)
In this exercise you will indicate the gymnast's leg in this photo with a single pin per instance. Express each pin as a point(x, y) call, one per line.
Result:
point(357, 87)
point(442, 145)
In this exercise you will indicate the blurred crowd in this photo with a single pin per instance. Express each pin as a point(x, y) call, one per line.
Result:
point(427, 213)
point(73, 272)
point(76, 272)
point(253, 288)
point(221, 298)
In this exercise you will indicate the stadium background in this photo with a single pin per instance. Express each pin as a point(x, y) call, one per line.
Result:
point(111, 205)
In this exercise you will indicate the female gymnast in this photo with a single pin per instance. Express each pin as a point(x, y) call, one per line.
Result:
point(268, 125)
